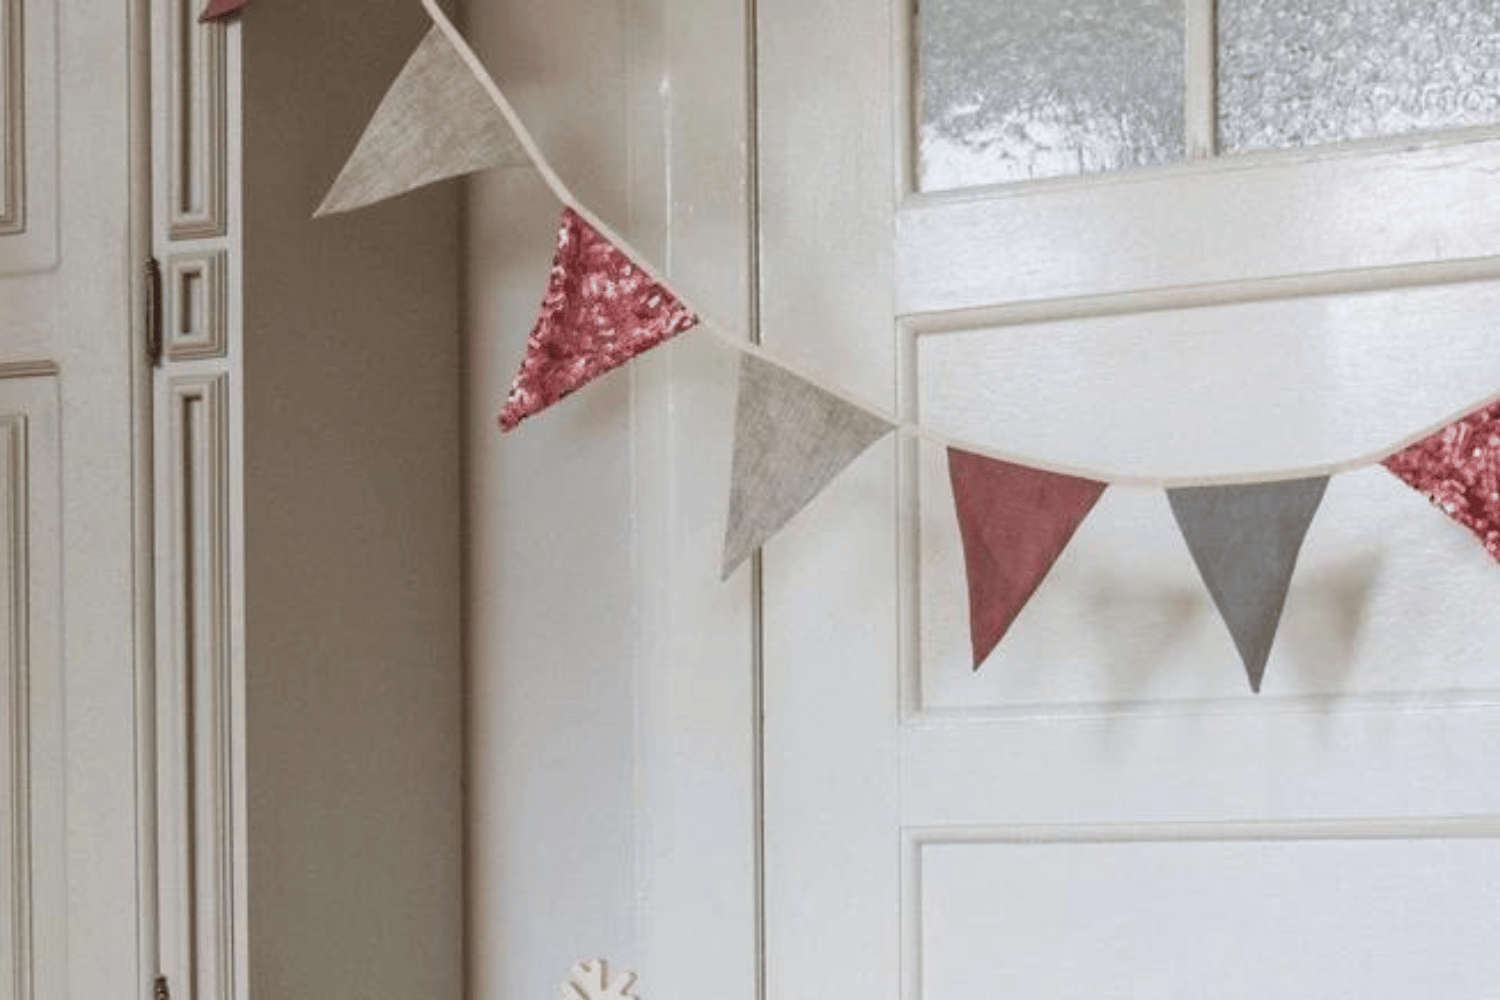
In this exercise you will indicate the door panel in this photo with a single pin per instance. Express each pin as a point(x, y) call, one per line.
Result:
point(1198, 900)
point(1245, 388)
point(28, 135)
point(1104, 808)
point(32, 889)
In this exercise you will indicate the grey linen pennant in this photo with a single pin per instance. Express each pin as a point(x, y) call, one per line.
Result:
point(435, 122)
point(1245, 540)
point(790, 439)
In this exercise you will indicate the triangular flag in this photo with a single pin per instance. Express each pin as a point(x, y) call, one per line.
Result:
point(1014, 521)
point(1458, 469)
point(601, 309)
point(1245, 540)
point(218, 9)
point(435, 122)
point(790, 439)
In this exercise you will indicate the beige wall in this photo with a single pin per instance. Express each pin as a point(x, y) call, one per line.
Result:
point(352, 463)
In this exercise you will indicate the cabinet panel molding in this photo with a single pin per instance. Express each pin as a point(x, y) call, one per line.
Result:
point(28, 136)
point(15, 716)
point(196, 305)
point(198, 139)
point(12, 120)
point(195, 694)
point(32, 890)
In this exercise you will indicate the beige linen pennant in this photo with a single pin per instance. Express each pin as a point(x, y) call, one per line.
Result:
point(790, 439)
point(436, 122)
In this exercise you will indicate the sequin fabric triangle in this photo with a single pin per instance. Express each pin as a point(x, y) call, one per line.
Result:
point(1458, 469)
point(219, 9)
point(601, 309)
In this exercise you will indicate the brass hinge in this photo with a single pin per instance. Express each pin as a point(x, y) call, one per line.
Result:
point(153, 326)
point(162, 991)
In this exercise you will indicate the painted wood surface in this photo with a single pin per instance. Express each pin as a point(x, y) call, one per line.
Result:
point(932, 832)
point(69, 256)
point(33, 901)
point(606, 664)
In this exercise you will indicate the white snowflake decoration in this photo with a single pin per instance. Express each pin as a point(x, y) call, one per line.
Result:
point(590, 981)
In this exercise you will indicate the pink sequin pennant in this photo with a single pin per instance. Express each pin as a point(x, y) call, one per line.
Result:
point(601, 309)
point(220, 9)
point(1458, 469)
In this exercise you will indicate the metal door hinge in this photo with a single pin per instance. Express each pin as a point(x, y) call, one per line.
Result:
point(153, 331)
point(162, 991)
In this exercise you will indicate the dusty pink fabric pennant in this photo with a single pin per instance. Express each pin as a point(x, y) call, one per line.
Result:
point(601, 309)
point(1458, 469)
point(1015, 521)
point(219, 9)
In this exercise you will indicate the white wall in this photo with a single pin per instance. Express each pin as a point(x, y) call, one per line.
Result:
point(610, 696)
point(550, 604)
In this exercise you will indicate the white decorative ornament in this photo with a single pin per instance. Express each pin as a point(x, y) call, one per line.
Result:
point(590, 981)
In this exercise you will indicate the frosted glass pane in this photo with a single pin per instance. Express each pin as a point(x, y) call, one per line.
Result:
point(1303, 72)
point(1014, 89)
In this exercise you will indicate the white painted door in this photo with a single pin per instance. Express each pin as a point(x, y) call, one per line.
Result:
point(70, 459)
point(1105, 810)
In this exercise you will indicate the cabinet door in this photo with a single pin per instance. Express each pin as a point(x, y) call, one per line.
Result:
point(71, 405)
point(1008, 221)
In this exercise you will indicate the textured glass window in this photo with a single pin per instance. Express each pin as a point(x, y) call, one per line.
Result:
point(1302, 72)
point(1009, 90)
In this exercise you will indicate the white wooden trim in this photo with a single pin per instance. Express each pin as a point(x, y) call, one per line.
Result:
point(143, 387)
point(195, 694)
point(197, 164)
point(12, 120)
point(16, 725)
point(1200, 44)
point(27, 369)
point(697, 719)
point(196, 278)
point(1152, 233)
point(905, 79)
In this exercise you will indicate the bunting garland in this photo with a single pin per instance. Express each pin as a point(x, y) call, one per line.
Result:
point(604, 305)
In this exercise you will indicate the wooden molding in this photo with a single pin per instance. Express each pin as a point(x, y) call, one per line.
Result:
point(27, 369)
point(12, 120)
point(195, 694)
point(16, 715)
point(33, 891)
point(198, 137)
point(197, 317)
